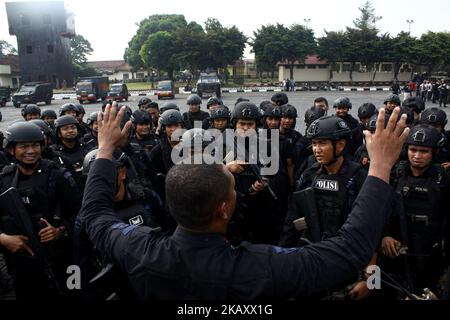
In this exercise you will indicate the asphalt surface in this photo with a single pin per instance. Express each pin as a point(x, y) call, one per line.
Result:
point(301, 100)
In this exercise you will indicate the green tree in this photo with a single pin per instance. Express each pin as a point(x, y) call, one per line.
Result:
point(267, 44)
point(433, 50)
point(298, 42)
point(333, 47)
point(368, 18)
point(160, 22)
point(6, 48)
point(80, 48)
point(401, 49)
point(156, 52)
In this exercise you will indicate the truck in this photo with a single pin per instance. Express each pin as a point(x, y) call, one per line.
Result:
point(5, 96)
point(208, 83)
point(33, 92)
point(92, 89)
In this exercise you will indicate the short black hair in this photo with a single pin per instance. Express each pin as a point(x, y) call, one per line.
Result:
point(193, 191)
point(321, 99)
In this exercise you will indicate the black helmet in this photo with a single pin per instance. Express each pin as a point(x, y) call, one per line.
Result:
point(330, 127)
point(48, 113)
point(194, 99)
point(372, 124)
point(196, 136)
point(240, 99)
point(80, 108)
point(272, 111)
point(153, 104)
point(92, 117)
point(426, 136)
point(280, 98)
point(144, 101)
point(171, 117)
point(141, 117)
point(22, 131)
point(342, 102)
point(414, 103)
point(313, 114)
point(169, 106)
point(65, 120)
point(31, 109)
point(288, 111)
point(264, 104)
point(393, 98)
point(246, 111)
point(220, 113)
point(46, 130)
point(68, 107)
point(366, 110)
point(433, 116)
point(119, 158)
point(213, 100)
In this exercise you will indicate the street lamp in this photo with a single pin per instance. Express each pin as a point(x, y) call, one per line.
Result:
point(307, 21)
point(409, 21)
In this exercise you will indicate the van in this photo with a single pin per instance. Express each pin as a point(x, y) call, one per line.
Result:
point(118, 92)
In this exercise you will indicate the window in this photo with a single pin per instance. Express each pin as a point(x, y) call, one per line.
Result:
point(47, 19)
point(311, 66)
point(336, 67)
point(126, 76)
point(323, 66)
point(139, 75)
point(25, 20)
point(300, 67)
point(346, 67)
point(386, 67)
point(50, 48)
point(29, 49)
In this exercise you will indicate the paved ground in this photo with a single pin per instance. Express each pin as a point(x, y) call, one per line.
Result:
point(301, 100)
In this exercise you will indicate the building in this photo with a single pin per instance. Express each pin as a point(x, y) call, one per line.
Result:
point(117, 70)
point(43, 31)
point(9, 71)
point(313, 69)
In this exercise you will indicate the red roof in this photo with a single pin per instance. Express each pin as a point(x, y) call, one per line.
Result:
point(111, 65)
point(11, 60)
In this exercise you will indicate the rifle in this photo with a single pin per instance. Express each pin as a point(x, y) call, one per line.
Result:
point(11, 202)
point(305, 204)
point(253, 167)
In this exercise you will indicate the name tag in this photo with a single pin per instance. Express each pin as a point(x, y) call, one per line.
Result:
point(329, 185)
point(136, 220)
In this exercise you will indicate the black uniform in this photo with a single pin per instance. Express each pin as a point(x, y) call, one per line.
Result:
point(90, 141)
point(418, 223)
point(147, 143)
point(357, 134)
point(74, 155)
point(191, 265)
point(190, 117)
point(50, 193)
point(334, 197)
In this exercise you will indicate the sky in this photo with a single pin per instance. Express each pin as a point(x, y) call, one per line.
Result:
point(110, 24)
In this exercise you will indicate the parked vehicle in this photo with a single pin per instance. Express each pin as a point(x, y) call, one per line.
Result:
point(118, 92)
point(33, 92)
point(165, 89)
point(208, 83)
point(5, 95)
point(92, 89)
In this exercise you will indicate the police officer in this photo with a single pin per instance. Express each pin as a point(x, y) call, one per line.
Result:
point(336, 182)
point(365, 112)
point(194, 113)
point(391, 102)
point(415, 232)
point(143, 103)
point(263, 201)
point(142, 125)
point(169, 106)
point(160, 156)
point(416, 105)
point(153, 110)
point(91, 139)
point(212, 104)
point(220, 118)
point(342, 106)
point(134, 204)
point(30, 112)
point(49, 116)
point(69, 144)
point(279, 99)
point(84, 127)
point(321, 103)
point(69, 109)
point(438, 119)
point(52, 198)
point(246, 271)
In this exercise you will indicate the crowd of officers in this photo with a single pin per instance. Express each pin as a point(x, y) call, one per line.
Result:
point(47, 157)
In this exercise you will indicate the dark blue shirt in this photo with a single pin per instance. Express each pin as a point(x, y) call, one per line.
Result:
point(191, 265)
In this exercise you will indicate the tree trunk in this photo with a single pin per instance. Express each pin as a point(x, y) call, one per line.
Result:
point(374, 72)
point(291, 71)
point(352, 67)
point(396, 70)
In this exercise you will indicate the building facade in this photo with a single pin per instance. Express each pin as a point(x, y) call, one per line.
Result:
point(43, 31)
